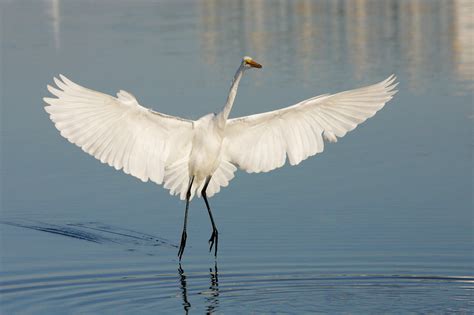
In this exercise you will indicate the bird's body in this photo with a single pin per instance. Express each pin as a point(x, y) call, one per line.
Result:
point(206, 148)
point(198, 157)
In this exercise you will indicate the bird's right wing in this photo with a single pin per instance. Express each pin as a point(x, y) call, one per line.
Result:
point(119, 131)
point(261, 142)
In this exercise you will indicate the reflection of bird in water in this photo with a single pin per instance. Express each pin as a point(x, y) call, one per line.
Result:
point(198, 157)
point(212, 301)
point(184, 289)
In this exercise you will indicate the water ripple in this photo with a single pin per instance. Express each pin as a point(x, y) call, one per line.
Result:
point(95, 232)
point(145, 291)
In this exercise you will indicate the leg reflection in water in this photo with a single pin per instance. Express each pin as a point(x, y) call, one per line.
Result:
point(213, 298)
point(184, 290)
point(212, 295)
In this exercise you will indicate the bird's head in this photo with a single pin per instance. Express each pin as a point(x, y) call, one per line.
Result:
point(248, 63)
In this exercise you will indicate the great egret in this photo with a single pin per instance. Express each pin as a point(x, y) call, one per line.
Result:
point(198, 157)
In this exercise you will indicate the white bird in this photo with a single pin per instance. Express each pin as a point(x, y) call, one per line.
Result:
point(198, 157)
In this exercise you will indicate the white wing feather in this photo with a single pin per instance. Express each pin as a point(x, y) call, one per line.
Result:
point(261, 142)
point(119, 131)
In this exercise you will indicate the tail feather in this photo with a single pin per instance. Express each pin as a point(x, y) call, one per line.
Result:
point(221, 178)
point(176, 179)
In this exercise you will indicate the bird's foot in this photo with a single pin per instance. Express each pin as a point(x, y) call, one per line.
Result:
point(183, 244)
point(213, 241)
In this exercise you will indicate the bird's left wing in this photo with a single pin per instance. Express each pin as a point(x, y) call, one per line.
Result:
point(261, 142)
point(119, 131)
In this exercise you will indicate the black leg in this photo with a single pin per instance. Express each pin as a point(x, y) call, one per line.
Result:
point(215, 235)
point(184, 235)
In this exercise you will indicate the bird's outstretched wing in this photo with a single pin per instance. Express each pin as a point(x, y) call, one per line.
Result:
point(119, 131)
point(261, 142)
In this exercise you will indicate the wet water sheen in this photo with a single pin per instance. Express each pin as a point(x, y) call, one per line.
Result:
point(381, 222)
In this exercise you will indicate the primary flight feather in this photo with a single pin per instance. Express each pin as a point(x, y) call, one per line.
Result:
point(198, 157)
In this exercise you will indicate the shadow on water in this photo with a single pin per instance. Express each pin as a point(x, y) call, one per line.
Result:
point(95, 232)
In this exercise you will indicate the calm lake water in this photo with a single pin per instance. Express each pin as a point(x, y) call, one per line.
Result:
point(382, 221)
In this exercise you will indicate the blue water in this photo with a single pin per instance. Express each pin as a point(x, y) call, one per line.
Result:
point(381, 222)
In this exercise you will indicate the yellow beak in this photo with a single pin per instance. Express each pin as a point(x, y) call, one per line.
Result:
point(253, 64)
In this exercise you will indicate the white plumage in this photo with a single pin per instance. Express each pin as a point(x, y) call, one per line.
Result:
point(174, 151)
point(261, 142)
point(150, 145)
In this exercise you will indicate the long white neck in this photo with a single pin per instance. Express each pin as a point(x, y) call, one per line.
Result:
point(224, 114)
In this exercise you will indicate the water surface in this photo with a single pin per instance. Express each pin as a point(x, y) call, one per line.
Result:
point(380, 222)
